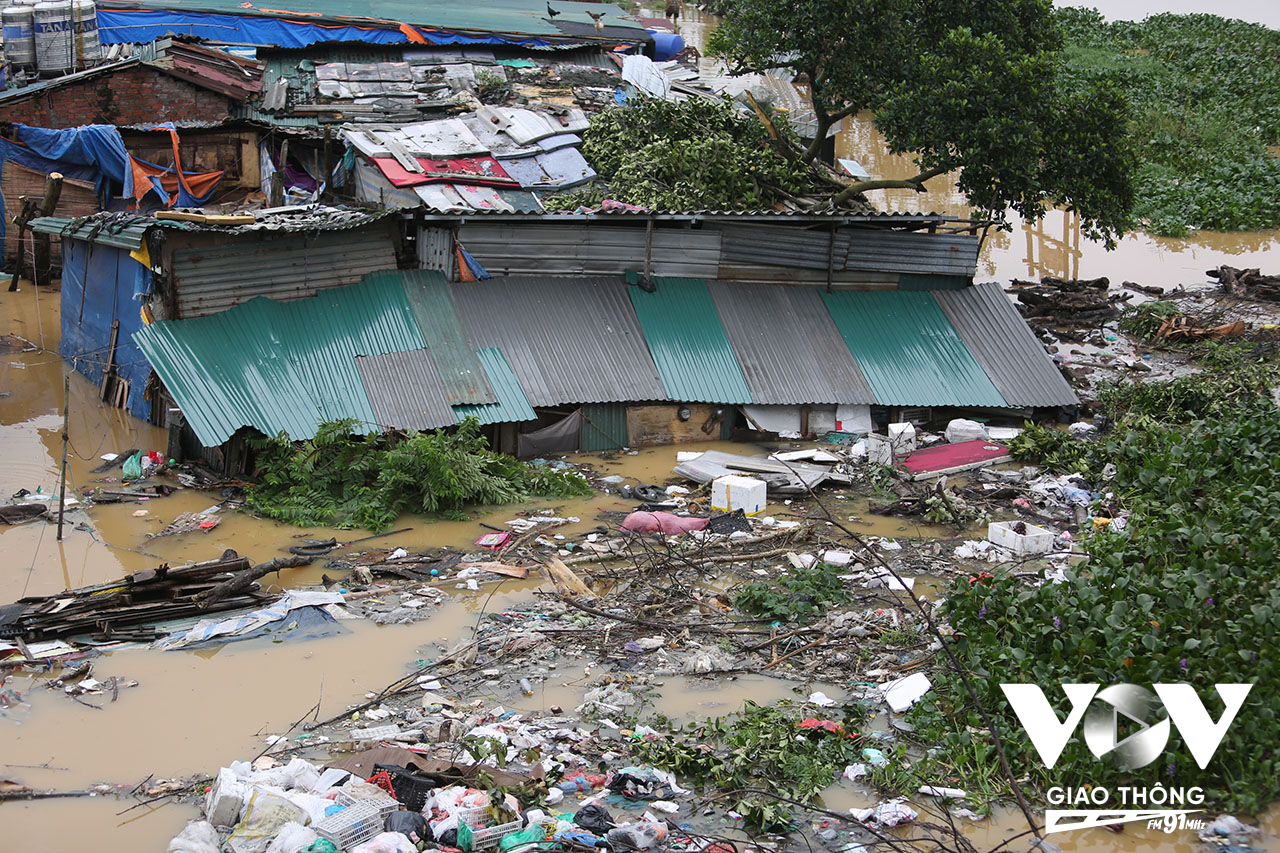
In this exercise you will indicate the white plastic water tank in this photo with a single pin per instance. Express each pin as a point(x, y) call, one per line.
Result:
point(19, 35)
point(84, 33)
point(54, 56)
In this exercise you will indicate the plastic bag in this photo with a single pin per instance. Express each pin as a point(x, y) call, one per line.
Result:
point(321, 845)
point(962, 429)
point(198, 836)
point(411, 825)
point(533, 834)
point(293, 838)
point(264, 815)
point(594, 819)
point(386, 842)
point(132, 469)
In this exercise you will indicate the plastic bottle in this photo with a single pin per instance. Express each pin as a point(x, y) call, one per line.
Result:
point(636, 836)
point(525, 687)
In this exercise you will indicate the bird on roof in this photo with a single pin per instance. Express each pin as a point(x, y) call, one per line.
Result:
point(551, 12)
point(598, 17)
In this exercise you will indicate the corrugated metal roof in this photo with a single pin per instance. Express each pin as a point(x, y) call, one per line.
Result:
point(569, 340)
point(464, 380)
point(879, 218)
point(785, 246)
point(689, 343)
point(1005, 346)
point(778, 349)
point(527, 248)
point(209, 279)
point(121, 232)
point(908, 351)
point(902, 251)
point(512, 405)
point(279, 366)
point(405, 390)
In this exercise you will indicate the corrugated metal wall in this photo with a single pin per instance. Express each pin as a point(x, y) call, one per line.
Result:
point(282, 266)
point(579, 249)
point(435, 250)
point(919, 252)
point(604, 427)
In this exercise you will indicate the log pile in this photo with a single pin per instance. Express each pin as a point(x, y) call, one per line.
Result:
point(1069, 301)
point(107, 611)
point(1247, 284)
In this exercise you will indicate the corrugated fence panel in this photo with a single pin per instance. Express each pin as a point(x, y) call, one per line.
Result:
point(405, 390)
point(512, 405)
point(1005, 346)
point(210, 279)
point(604, 427)
point(908, 350)
point(451, 350)
point(523, 249)
point(279, 365)
point(901, 251)
point(689, 343)
point(435, 249)
point(569, 340)
point(775, 348)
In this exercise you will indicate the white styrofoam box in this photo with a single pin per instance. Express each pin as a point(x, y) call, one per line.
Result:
point(735, 492)
point(1036, 540)
point(223, 802)
point(879, 450)
point(903, 436)
point(838, 558)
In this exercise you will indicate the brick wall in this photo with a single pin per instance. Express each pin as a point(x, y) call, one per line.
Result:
point(136, 95)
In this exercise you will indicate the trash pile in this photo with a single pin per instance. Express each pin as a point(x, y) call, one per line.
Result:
point(368, 803)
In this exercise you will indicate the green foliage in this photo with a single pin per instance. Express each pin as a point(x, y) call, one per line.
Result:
point(1187, 593)
point(1206, 100)
point(1145, 320)
point(1236, 391)
point(798, 595)
point(978, 87)
point(761, 748)
point(343, 480)
point(1056, 450)
point(696, 155)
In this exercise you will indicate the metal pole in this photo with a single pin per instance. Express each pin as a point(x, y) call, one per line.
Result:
point(62, 486)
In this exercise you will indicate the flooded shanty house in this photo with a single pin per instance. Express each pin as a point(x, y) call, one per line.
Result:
point(558, 332)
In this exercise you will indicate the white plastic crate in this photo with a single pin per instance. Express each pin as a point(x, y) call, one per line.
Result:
point(385, 805)
point(355, 824)
point(484, 839)
point(1037, 540)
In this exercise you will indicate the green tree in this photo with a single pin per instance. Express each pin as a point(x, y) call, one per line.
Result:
point(967, 86)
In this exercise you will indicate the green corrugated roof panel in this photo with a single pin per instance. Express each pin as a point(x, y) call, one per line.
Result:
point(122, 233)
point(688, 342)
point(451, 350)
point(280, 366)
point(909, 352)
point(512, 405)
point(604, 427)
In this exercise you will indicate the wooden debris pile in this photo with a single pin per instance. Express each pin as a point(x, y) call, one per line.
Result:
point(1069, 301)
point(107, 611)
point(1247, 284)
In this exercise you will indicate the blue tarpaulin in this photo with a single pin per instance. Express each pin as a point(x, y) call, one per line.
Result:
point(93, 152)
point(118, 284)
point(117, 25)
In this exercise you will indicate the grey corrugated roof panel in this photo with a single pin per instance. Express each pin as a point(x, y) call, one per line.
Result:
point(121, 232)
point(405, 390)
point(535, 248)
point(1005, 347)
point(896, 251)
point(512, 405)
point(462, 376)
point(569, 340)
point(303, 219)
point(788, 357)
point(876, 217)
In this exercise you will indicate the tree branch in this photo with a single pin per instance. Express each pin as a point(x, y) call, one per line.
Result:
point(916, 183)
